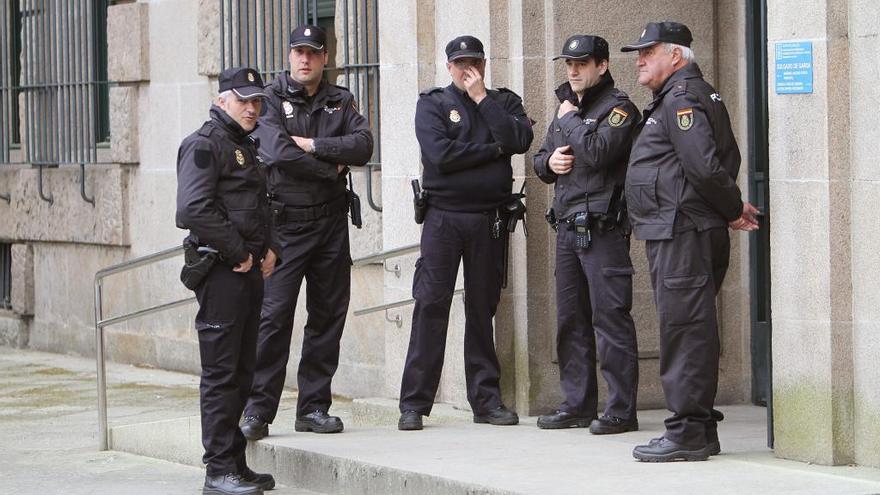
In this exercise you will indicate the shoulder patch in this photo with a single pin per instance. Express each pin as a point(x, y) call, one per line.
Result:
point(430, 90)
point(203, 158)
point(684, 118)
point(617, 117)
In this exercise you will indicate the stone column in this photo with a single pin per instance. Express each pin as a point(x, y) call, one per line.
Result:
point(864, 71)
point(811, 245)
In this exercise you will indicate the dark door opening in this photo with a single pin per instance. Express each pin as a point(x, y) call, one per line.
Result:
point(759, 242)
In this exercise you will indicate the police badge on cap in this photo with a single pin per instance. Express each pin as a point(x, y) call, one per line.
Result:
point(310, 36)
point(464, 47)
point(245, 82)
point(661, 32)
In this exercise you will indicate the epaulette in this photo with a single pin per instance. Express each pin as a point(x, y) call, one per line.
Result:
point(620, 95)
point(504, 90)
point(680, 88)
point(430, 90)
point(206, 129)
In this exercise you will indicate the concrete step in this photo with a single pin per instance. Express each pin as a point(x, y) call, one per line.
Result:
point(454, 456)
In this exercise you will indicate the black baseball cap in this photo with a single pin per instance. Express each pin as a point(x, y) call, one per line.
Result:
point(308, 35)
point(464, 46)
point(245, 82)
point(662, 32)
point(583, 46)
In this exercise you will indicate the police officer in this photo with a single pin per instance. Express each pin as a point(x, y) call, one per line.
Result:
point(221, 199)
point(309, 135)
point(585, 154)
point(467, 135)
point(682, 195)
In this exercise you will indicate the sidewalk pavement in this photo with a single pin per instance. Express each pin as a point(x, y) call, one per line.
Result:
point(48, 427)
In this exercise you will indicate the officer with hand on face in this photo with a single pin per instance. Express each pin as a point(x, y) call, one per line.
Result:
point(467, 134)
point(310, 133)
point(682, 195)
point(585, 155)
point(221, 199)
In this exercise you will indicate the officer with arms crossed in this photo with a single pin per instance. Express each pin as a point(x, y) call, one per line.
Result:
point(467, 135)
point(221, 199)
point(309, 135)
point(585, 154)
point(682, 195)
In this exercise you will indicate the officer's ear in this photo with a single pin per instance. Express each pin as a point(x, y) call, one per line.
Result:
point(326, 57)
point(603, 66)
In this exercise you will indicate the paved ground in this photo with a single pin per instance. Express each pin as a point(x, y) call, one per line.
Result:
point(49, 435)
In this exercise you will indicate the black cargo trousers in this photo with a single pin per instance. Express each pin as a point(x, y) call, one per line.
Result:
point(317, 250)
point(448, 237)
point(227, 324)
point(593, 303)
point(686, 273)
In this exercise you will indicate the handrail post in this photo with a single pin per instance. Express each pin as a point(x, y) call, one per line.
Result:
point(103, 443)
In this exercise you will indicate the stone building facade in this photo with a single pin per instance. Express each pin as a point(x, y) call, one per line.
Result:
point(163, 57)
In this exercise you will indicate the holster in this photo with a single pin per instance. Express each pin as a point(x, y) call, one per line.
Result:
point(420, 201)
point(515, 210)
point(196, 265)
point(354, 207)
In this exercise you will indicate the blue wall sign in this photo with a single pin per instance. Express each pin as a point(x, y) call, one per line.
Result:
point(794, 67)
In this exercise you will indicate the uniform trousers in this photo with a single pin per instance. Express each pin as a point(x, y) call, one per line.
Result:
point(593, 303)
point(449, 238)
point(317, 250)
point(686, 273)
point(227, 323)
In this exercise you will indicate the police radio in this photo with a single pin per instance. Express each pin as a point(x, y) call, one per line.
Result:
point(354, 205)
point(582, 236)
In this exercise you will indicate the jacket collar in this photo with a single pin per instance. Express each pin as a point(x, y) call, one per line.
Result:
point(223, 121)
point(689, 71)
point(285, 87)
point(592, 94)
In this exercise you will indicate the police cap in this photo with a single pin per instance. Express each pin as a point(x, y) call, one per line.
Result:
point(245, 82)
point(582, 46)
point(308, 35)
point(464, 46)
point(662, 32)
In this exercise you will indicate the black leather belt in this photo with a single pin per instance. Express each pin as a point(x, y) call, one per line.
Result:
point(309, 213)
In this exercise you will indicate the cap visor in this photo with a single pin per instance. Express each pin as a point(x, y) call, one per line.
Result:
point(310, 44)
point(638, 46)
point(570, 57)
point(459, 55)
point(249, 92)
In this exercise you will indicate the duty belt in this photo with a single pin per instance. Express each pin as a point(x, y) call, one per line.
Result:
point(309, 213)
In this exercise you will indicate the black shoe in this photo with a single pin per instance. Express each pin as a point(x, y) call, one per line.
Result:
point(562, 419)
point(263, 480)
point(500, 416)
point(714, 446)
point(318, 422)
point(608, 425)
point(409, 420)
point(229, 484)
point(664, 450)
point(254, 428)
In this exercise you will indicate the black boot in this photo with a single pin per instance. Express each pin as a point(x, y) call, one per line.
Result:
point(664, 450)
point(409, 421)
point(229, 484)
point(318, 422)
point(254, 428)
point(500, 416)
point(562, 419)
point(264, 480)
point(607, 425)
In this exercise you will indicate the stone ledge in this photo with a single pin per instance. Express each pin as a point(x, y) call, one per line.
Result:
point(23, 279)
point(128, 42)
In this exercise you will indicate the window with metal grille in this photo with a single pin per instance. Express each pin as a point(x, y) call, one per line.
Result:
point(5, 276)
point(54, 78)
point(255, 33)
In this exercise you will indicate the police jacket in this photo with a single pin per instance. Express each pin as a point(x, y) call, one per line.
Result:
point(600, 134)
point(684, 161)
point(221, 190)
point(466, 148)
point(342, 137)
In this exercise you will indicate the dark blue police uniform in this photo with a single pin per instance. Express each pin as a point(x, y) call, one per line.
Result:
point(466, 149)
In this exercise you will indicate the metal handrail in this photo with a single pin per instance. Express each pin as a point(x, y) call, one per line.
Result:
point(384, 255)
point(383, 307)
point(100, 323)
